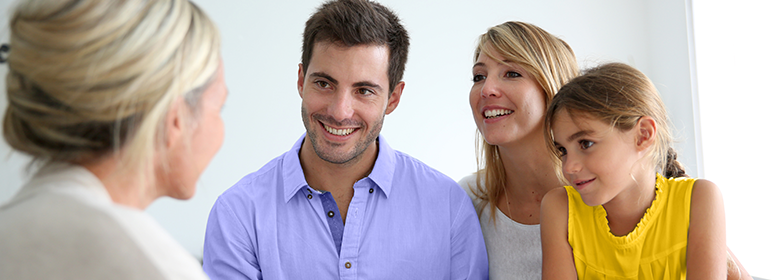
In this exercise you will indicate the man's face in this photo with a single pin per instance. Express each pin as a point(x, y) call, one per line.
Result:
point(344, 99)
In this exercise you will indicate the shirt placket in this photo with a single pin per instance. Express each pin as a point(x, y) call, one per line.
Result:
point(333, 219)
point(349, 256)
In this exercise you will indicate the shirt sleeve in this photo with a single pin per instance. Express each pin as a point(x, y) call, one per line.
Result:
point(469, 255)
point(228, 248)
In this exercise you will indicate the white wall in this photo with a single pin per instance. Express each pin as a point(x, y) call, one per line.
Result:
point(739, 69)
point(261, 50)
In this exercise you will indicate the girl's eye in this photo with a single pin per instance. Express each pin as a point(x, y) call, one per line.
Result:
point(561, 151)
point(511, 74)
point(322, 84)
point(585, 144)
point(478, 78)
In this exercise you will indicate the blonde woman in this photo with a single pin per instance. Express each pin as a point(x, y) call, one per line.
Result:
point(518, 68)
point(119, 102)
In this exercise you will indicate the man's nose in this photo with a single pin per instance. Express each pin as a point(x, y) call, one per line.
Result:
point(342, 106)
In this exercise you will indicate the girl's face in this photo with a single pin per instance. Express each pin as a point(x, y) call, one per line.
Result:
point(507, 102)
point(599, 161)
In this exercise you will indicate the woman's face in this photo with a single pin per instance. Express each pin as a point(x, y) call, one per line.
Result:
point(507, 102)
point(203, 137)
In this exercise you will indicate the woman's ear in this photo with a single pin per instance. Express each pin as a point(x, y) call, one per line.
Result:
point(174, 126)
point(646, 132)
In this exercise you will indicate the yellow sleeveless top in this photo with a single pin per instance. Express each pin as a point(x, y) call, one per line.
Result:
point(655, 249)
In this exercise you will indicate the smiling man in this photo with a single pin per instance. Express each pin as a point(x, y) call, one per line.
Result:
point(342, 203)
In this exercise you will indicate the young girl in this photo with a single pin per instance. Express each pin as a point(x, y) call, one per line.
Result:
point(630, 212)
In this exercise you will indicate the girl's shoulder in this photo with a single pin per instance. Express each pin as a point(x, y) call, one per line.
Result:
point(705, 196)
point(705, 184)
point(691, 192)
point(556, 201)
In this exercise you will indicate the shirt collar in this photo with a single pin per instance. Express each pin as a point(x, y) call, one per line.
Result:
point(384, 168)
point(294, 176)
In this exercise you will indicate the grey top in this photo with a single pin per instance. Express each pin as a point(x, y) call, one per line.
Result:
point(514, 250)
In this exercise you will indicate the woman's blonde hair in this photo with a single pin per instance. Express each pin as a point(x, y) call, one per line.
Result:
point(619, 95)
point(88, 77)
point(547, 58)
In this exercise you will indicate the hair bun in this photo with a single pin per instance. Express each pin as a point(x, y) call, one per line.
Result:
point(674, 168)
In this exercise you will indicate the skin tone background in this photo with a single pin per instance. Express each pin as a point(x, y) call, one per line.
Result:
point(261, 49)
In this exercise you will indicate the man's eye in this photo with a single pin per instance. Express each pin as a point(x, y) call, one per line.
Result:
point(364, 91)
point(585, 144)
point(322, 84)
point(478, 78)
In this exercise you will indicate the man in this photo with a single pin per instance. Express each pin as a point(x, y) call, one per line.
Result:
point(342, 203)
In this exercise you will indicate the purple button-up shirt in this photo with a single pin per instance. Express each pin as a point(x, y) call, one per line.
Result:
point(405, 221)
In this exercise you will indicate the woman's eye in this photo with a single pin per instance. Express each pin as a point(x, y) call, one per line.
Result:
point(512, 74)
point(585, 144)
point(478, 78)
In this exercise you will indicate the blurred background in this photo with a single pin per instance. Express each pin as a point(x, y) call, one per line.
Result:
point(717, 64)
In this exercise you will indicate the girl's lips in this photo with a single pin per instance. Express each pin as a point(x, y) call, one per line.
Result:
point(582, 184)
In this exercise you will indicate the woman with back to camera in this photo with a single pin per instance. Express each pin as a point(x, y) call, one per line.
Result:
point(119, 103)
point(518, 68)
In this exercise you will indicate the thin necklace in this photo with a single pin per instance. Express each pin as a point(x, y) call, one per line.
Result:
point(508, 208)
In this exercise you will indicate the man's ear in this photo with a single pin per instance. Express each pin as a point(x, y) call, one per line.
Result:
point(646, 132)
point(300, 79)
point(394, 97)
point(175, 123)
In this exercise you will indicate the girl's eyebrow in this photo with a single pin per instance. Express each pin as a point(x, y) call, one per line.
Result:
point(579, 134)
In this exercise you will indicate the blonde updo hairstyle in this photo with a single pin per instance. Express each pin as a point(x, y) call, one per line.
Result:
point(618, 95)
point(88, 78)
point(547, 58)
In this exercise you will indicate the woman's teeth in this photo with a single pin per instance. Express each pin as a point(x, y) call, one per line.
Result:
point(489, 114)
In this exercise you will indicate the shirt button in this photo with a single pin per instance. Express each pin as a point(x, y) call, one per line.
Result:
point(331, 214)
point(371, 190)
point(310, 196)
point(348, 265)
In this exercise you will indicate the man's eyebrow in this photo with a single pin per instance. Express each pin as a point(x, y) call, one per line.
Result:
point(579, 134)
point(325, 76)
point(367, 84)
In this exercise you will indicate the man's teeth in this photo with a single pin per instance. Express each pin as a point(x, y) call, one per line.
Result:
point(339, 132)
point(496, 112)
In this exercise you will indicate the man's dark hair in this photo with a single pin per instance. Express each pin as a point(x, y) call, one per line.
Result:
point(358, 22)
